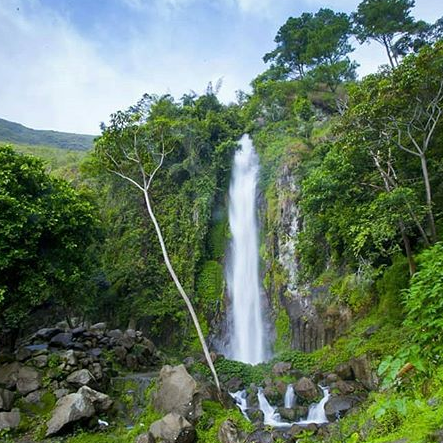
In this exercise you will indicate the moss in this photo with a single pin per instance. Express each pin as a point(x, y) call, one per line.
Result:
point(213, 416)
point(282, 331)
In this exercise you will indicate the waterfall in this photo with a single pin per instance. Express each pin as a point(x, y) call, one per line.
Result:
point(317, 412)
point(289, 396)
point(247, 334)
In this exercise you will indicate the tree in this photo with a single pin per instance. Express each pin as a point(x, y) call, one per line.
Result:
point(315, 45)
point(135, 147)
point(46, 230)
point(384, 21)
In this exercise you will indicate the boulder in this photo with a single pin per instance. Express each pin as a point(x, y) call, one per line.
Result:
point(228, 432)
point(344, 387)
point(69, 409)
point(62, 340)
point(344, 371)
point(115, 333)
point(337, 406)
point(362, 369)
point(59, 393)
point(9, 420)
point(69, 357)
point(34, 397)
point(296, 430)
point(173, 428)
point(260, 436)
point(9, 375)
point(47, 333)
point(288, 414)
point(145, 438)
point(40, 361)
point(178, 392)
point(77, 332)
point(23, 354)
point(281, 368)
point(6, 399)
point(28, 380)
point(306, 389)
point(234, 384)
point(98, 327)
point(127, 340)
point(81, 377)
point(100, 401)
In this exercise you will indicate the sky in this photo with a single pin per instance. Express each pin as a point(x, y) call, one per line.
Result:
point(68, 64)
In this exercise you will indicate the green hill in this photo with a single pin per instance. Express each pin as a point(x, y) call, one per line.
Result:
point(16, 133)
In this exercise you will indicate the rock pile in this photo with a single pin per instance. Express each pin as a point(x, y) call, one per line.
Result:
point(67, 364)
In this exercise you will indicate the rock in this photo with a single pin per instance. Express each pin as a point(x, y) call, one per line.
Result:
point(296, 430)
point(256, 416)
point(131, 361)
point(344, 371)
point(77, 332)
point(47, 333)
point(62, 340)
point(178, 392)
point(28, 380)
point(97, 371)
point(306, 389)
point(145, 438)
point(173, 428)
point(288, 414)
point(38, 349)
point(100, 401)
point(95, 353)
point(40, 361)
point(228, 432)
point(331, 378)
point(188, 362)
point(98, 327)
point(234, 384)
point(361, 367)
point(9, 374)
point(69, 409)
point(337, 406)
point(23, 354)
point(59, 393)
point(259, 437)
point(343, 387)
point(115, 333)
point(6, 399)
point(120, 352)
point(281, 368)
point(69, 357)
point(301, 412)
point(79, 378)
point(371, 331)
point(9, 420)
point(34, 397)
point(127, 341)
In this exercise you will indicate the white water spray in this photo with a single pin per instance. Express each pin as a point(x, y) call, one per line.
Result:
point(289, 396)
point(247, 336)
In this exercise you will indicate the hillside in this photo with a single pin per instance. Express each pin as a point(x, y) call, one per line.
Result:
point(11, 132)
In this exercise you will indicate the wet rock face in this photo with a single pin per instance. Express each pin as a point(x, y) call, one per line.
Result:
point(311, 328)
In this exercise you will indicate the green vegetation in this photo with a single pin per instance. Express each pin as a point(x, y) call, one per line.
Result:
point(18, 134)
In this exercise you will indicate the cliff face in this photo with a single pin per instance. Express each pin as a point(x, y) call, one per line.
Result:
point(313, 320)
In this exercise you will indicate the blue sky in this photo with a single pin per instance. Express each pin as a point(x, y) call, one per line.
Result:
point(68, 64)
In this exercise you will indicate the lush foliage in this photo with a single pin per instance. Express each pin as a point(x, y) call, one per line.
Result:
point(46, 229)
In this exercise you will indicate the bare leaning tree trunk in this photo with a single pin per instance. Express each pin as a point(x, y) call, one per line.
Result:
point(144, 187)
point(181, 290)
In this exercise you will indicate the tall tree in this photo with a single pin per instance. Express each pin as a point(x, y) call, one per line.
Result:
point(384, 21)
point(315, 45)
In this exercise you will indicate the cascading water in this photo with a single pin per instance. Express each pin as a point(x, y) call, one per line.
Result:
point(289, 396)
point(316, 413)
point(247, 343)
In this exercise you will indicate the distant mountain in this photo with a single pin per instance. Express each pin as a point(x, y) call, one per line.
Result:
point(11, 132)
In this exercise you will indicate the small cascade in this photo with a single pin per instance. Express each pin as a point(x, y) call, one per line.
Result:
point(272, 418)
point(240, 400)
point(289, 396)
point(316, 414)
